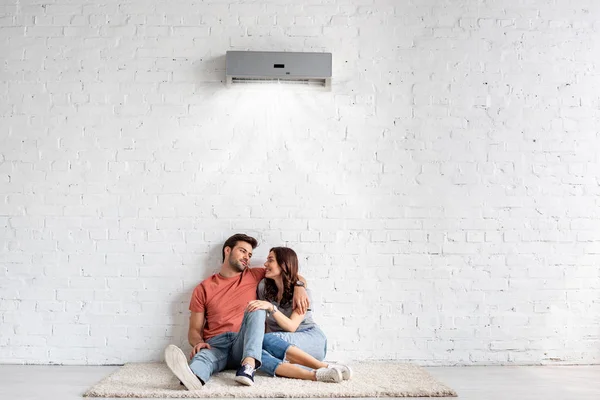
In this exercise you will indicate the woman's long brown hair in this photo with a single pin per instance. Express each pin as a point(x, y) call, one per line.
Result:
point(288, 262)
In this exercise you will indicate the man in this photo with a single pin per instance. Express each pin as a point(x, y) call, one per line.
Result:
point(222, 336)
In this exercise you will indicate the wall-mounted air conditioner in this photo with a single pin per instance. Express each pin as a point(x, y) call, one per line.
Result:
point(272, 66)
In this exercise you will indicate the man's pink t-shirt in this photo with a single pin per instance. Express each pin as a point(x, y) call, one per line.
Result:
point(223, 300)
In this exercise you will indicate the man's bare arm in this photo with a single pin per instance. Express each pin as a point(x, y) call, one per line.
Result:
point(196, 329)
point(301, 278)
point(300, 301)
point(195, 334)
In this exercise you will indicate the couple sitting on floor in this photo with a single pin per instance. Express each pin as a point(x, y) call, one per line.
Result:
point(227, 324)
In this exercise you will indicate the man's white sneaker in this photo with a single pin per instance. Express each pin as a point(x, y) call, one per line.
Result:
point(329, 375)
point(177, 363)
point(344, 369)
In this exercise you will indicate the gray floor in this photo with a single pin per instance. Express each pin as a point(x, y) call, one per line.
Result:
point(25, 382)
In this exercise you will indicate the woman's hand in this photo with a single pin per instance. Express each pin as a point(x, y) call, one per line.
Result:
point(259, 305)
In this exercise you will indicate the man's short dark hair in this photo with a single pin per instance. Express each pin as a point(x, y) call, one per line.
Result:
point(238, 237)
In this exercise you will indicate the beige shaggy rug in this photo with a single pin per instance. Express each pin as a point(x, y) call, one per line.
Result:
point(371, 379)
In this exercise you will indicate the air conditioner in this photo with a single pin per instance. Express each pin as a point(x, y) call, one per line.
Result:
point(274, 66)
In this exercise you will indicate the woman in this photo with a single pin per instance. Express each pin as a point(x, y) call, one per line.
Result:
point(286, 326)
point(276, 352)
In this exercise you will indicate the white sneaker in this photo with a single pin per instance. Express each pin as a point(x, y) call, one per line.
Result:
point(329, 375)
point(177, 363)
point(344, 369)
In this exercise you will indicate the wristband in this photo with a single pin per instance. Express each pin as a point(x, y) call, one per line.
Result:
point(274, 310)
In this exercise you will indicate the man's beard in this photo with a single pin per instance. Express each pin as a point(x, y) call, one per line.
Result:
point(237, 265)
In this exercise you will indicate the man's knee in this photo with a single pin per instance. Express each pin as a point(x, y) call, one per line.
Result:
point(205, 363)
point(205, 356)
point(258, 315)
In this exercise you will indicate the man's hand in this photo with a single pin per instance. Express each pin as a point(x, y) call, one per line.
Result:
point(301, 302)
point(198, 347)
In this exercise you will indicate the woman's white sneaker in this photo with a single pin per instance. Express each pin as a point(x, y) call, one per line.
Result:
point(329, 375)
point(177, 363)
point(344, 369)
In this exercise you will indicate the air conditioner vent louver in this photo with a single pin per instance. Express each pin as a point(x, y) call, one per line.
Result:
point(312, 69)
point(310, 82)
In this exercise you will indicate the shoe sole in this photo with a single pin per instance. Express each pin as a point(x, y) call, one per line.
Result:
point(340, 376)
point(348, 375)
point(177, 363)
point(338, 379)
point(244, 380)
point(345, 370)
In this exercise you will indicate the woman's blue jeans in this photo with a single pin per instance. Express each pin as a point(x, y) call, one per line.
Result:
point(273, 354)
point(276, 344)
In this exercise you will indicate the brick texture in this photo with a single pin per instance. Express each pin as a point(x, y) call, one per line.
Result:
point(443, 197)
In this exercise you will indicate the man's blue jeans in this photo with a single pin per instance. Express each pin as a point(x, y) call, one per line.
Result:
point(230, 348)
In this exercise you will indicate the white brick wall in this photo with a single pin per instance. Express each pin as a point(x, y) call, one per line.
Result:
point(443, 197)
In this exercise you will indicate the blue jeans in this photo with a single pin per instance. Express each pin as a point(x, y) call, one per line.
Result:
point(273, 353)
point(230, 348)
point(312, 341)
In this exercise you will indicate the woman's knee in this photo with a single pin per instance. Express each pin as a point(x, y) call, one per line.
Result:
point(275, 346)
point(270, 340)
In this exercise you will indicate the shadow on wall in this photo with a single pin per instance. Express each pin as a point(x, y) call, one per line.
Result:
point(180, 306)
